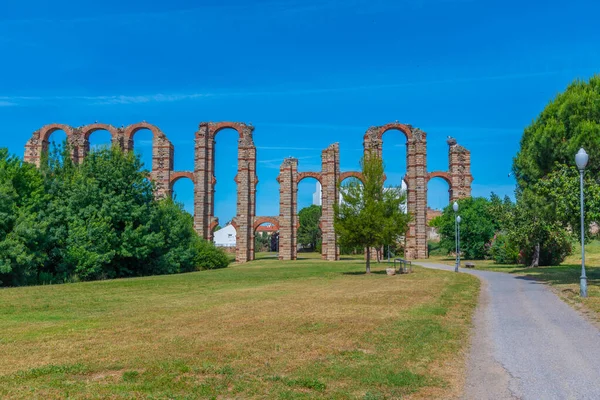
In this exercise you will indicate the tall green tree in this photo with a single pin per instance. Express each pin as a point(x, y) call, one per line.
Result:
point(369, 214)
point(548, 182)
point(477, 228)
point(22, 228)
point(309, 232)
point(568, 122)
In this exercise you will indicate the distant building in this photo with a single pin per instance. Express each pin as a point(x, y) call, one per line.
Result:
point(269, 229)
point(433, 234)
point(317, 195)
point(225, 237)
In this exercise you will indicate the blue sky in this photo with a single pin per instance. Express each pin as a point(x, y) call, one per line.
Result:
point(304, 73)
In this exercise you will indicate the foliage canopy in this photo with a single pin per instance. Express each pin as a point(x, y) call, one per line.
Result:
point(369, 214)
point(97, 220)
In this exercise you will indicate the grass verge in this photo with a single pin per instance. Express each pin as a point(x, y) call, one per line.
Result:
point(266, 329)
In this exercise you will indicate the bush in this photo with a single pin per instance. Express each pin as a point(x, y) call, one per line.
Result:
point(502, 250)
point(477, 228)
point(208, 256)
point(97, 220)
point(553, 251)
point(435, 249)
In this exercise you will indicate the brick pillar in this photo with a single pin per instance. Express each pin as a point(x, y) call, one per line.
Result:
point(204, 181)
point(80, 145)
point(246, 180)
point(34, 148)
point(288, 212)
point(162, 165)
point(330, 173)
point(416, 180)
point(459, 170)
point(418, 177)
point(120, 140)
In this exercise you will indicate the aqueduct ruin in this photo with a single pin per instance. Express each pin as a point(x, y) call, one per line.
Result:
point(246, 221)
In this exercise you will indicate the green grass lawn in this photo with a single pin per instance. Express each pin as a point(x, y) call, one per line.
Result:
point(563, 279)
point(266, 329)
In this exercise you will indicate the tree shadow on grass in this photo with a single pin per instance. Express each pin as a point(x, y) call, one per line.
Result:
point(364, 273)
point(564, 274)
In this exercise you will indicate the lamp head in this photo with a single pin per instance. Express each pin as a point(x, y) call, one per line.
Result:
point(455, 206)
point(458, 219)
point(581, 159)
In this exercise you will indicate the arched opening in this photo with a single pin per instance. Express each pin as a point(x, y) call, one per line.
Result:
point(56, 142)
point(310, 201)
point(225, 170)
point(346, 181)
point(394, 157)
point(438, 198)
point(182, 190)
point(266, 240)
point(99, 139)
point(143, 141)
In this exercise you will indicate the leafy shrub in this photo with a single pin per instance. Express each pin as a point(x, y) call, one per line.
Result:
point(502, 250)
point(98, 220)
point(556, 246)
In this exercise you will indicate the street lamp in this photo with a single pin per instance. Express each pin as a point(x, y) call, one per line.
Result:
point(458, 219)
point(581, 159)
point(455, 208)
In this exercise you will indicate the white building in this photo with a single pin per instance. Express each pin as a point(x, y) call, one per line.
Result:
point(225, 237)
point(317, 195)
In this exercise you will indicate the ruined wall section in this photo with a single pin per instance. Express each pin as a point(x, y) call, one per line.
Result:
point(79, 145)
point(416, 180)
point(330, 175)
point(459, 161)
point(288, 209)
point(246, 180)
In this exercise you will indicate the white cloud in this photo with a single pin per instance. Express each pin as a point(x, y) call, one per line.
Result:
point(125, 99)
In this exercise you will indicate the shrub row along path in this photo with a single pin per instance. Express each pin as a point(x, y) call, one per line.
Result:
point(528, 344)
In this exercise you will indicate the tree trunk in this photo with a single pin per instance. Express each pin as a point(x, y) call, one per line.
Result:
point(535, 262)
point(368, 259)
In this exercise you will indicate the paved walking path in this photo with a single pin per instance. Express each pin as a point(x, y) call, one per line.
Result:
point(528, 344)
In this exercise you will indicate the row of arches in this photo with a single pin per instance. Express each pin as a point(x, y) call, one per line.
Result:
point(246, 222)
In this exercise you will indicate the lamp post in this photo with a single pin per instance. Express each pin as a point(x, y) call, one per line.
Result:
point(581, 159)
point(455, 208)
point(458, 219)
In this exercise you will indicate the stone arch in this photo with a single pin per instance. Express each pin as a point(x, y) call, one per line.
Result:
point(376, 132)
point(246, 181)
point(305, 175)
point(445, 176)
point(175, 176)
point(351, 174)
point(416, 180)
point(39, 142)
point(258, 221)
point(442, 175)
point(131, 130)
point(87, 130)
point(47, 130)
point(244, 131)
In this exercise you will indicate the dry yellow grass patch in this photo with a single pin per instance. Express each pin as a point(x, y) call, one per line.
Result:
point(268, 329)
